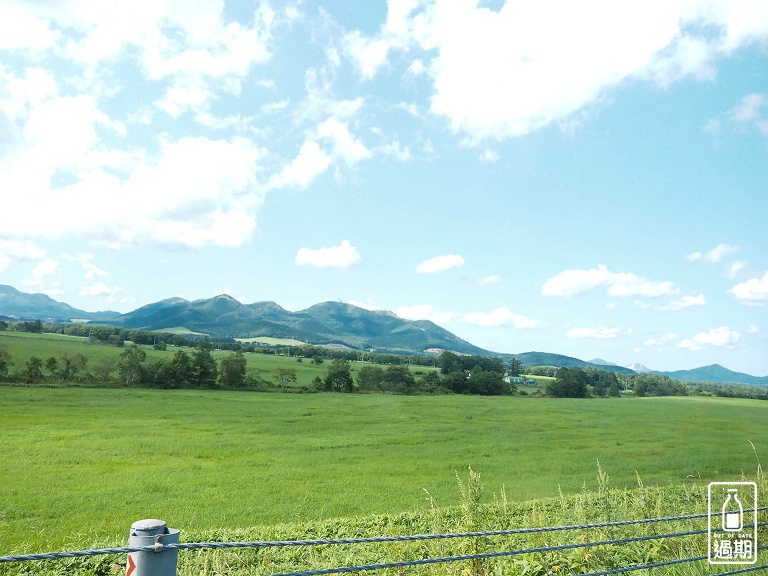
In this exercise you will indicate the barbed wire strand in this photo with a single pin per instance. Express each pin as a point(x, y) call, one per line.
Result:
point(486, 555)
point(740, 570)
point(317, 542)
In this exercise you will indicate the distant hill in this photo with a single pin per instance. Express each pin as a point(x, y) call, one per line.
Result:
point(16, 305)
point(601, 362)
point(560, 361)
point(639, 367)
point(717, 373)
point(325, 323)
point(328, 323)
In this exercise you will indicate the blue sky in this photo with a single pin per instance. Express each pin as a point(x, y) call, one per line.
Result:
point(588, 178)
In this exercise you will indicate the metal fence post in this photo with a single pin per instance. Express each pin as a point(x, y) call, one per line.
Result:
point(161, 561)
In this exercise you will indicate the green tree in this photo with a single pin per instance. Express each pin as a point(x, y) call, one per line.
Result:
point(130, 365)
point(448, 362)
point(182, 370)
point(103, 368)
point(339, 377)
point(285, 376)
point(32, 371)
point(72, 364)
point(115, 340)
point(457, 382)
point(568, 383)
point(5, 362)
point(52, 366)
point(430, 382)
point(515, 367)
point(232, 370)
point(399, 379)
point(486, 383)
point(204, 369)
point(370, 378)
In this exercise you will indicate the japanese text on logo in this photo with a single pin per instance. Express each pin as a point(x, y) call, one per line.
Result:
point(732, 531)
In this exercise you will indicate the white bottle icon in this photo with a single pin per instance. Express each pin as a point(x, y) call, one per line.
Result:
point(733, 512)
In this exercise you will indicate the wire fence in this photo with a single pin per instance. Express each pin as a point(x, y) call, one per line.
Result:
point(160, 547)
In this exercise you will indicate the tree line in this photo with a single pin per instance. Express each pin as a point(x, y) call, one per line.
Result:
point(458, 373)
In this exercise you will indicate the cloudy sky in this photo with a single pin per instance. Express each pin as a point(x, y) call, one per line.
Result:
point(585, 178)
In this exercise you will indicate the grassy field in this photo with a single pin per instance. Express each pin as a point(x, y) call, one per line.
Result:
point(22, 345)
point(93, 461)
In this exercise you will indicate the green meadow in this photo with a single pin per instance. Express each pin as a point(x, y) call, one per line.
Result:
point(92, 461)
point(22, 346)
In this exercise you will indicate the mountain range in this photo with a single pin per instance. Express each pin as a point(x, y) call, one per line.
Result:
point(329, 323)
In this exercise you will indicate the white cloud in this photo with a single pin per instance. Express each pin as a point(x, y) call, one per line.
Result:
point(302, 170)
point(722, 336)
point(20, 30)
point(425, 312)
point(192, 46)
point(721, 254)
point(345, 146)
point(749, 108)
point(504, 73)
point(194, 191)
point(689, 301)
point(440, 264)
point(734, 268)
point(90, 268)
point(753, 292)
point(367, 54)
point(489, 156)
point(573, 282)
point(633, 285)
point(80, 168)
point(396, 150)
point(664, 339)
point(272, 107)
point(491, 279)
point(714, 255)
point(21, 250)
point(40, 271)
point(500, 317)
point(342, 256)
point(370, 54)
point(100, 289)
point(599, 333)
point(620, 284)
point(45, 268)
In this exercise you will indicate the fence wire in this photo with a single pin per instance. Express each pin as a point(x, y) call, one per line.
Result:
point(425, 561)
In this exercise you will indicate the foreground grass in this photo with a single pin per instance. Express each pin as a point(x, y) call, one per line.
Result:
point(95, 461)
point(473, 513)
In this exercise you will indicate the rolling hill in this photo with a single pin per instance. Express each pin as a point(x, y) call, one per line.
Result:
point(716, 373)
point(17, 305)
point(329, 323)
point(560, 361)
point(325, 323)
